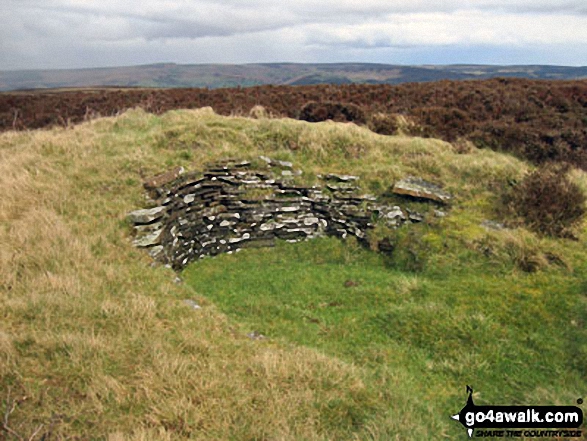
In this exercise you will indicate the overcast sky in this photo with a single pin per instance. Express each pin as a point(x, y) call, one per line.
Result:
point(37, 34)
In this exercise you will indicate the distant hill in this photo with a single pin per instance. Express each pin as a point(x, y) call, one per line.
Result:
point(231, 75)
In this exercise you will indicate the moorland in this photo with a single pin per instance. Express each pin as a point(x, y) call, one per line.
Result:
point(324, 339)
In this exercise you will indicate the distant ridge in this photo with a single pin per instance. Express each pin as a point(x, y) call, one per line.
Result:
point(231, 75)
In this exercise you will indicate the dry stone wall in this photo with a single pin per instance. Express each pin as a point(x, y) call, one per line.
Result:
point(232, 205)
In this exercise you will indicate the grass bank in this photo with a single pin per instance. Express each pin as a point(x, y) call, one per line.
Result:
point(97, 343)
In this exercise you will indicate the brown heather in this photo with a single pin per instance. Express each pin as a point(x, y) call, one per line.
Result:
point(535, 119)
point(548, 201)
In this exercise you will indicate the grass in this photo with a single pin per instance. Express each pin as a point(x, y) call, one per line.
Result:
point(96, 343)
point(419, 336)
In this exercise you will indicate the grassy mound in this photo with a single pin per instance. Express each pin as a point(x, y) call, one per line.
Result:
point(97, 343)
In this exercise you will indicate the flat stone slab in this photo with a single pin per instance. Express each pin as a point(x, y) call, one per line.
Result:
point(146, 215)
point(162, 179)
point(492, 225)
point(392, 213)
point(340, 178)
point(420, 189)
point(148, 240)
point(192, 304)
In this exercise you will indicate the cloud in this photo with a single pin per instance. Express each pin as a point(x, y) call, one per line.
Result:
point(105, 21)
point(53, 33)
point(441, 29)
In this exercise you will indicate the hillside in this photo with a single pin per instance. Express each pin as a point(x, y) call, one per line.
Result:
point(536, 120)
point(217, 75)
point(320, 340)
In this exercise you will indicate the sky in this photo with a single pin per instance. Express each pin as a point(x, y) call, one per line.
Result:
point(63, 34)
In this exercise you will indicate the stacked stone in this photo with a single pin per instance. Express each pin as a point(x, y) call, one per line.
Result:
point(231, 206)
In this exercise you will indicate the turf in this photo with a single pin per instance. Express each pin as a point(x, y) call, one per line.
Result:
point(96, 342)
point(516, 338)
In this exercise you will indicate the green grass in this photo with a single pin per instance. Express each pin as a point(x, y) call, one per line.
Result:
point(516, 338)
point(96, 343)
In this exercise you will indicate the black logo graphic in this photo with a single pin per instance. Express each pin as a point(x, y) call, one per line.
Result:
point(521, 417)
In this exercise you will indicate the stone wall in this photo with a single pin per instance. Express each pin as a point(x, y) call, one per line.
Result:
point(232, 205)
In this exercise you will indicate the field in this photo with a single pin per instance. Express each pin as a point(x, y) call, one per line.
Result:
point(319, 340)
point(167, 75)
